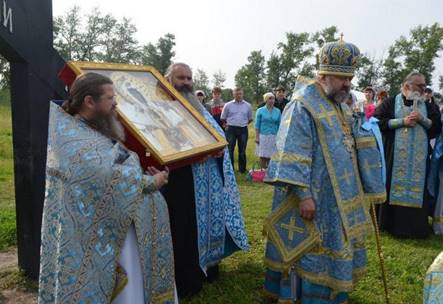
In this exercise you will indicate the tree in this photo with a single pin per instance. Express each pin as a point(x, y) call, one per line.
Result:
point(218, 79)
point(106, 38)
point(274, 72)
point(159, 55)
point(67, 33)
point(440, 85)
point(90, 39)
point(369, 72)
point(119, 43)
point(201, 81)
point(416, 53)
point(292, 58)
point(251, 77)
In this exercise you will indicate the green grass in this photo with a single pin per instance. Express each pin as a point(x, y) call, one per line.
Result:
point(7, 206)
point(242, 274)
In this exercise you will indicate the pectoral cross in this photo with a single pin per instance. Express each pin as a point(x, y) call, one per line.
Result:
point(326, 115)
point(291, 227)
point(347, 177)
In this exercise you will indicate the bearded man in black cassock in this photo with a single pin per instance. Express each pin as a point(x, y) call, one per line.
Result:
point(407, 123)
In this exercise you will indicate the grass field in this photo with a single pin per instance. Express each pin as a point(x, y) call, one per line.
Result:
point(7, 207)
point(241, 275)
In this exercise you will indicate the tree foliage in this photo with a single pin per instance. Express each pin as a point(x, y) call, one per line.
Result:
point(159, 55)
point(414, 53)
point(201, 81)
point(369, 72)
point(291, 58)
point(218, 79)
point(251, 77)
point(99, 37)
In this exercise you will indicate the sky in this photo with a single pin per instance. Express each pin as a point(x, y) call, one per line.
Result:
point(220, 34)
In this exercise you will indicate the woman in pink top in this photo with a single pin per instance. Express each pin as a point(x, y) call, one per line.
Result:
point(369, 106)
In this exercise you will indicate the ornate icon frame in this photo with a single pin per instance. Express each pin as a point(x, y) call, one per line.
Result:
point(79, 67)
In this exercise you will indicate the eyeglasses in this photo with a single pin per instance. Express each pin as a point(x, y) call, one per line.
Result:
point(183, 77)
point(421, 85)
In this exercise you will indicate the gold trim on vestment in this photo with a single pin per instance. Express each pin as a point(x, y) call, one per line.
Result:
point(326, 280)
point(291, 157)
point(404, 204)
point(437, 219)
point(365, 142)
point(121, 281)
point(289, 257)
point(375, 198)
point(164, 297)
point(286, 181)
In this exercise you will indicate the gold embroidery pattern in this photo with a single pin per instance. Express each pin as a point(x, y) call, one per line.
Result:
point(358, 200)
point(291, 255)
point(326, 280)
point(291, 157)
point(365, 142)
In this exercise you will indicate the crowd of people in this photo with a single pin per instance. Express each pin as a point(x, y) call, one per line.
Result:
point(115, 233)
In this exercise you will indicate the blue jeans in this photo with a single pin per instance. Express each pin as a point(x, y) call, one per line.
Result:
point(240, 135)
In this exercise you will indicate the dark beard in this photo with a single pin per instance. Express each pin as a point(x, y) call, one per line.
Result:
point(185, 89)
point(109, 126)
point(189, 96)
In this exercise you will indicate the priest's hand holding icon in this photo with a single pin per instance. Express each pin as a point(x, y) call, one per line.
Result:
point(160, 177)
point(307, 208)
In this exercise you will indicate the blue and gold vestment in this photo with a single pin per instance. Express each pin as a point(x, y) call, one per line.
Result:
point(95, 189)
point(320, 156)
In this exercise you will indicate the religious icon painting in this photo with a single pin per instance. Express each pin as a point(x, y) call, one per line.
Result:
point(160, 124)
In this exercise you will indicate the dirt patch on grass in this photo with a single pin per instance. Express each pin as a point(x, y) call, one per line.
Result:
point(14, 286)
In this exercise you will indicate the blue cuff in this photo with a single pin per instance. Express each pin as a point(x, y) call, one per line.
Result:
point(302, 192)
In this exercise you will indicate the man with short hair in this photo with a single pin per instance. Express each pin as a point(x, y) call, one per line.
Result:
point(408, 123)
point(204, 205)
point(237, 115)
point(103, 219)
point(317, 229)
point(215, 106)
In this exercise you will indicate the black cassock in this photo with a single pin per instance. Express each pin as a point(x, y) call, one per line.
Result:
point(397, 220)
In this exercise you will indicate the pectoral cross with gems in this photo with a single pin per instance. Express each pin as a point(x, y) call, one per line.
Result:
point(291, 227)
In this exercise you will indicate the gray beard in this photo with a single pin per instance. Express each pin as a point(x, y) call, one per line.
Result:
point(189, 96)
point(341, 96)
point(109, 126)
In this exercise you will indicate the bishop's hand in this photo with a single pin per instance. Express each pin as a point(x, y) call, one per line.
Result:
point(307, 208)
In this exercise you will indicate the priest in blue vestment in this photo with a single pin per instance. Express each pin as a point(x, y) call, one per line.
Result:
point(105, 229)
point(435, 185)
point(407, 123)
point(327, 169)
point(204, 205)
